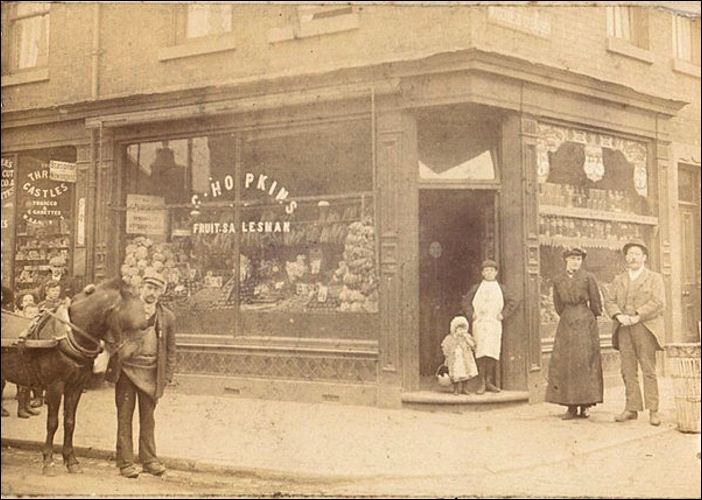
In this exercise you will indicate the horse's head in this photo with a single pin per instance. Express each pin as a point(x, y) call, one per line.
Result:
point(108, 310)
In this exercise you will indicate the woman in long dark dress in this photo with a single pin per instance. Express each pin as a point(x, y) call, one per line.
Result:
point(575, 369)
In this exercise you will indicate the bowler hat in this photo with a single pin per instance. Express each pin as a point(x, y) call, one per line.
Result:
point(636, 243)
point(574, 251)
point(489, 263)
point(154, 278)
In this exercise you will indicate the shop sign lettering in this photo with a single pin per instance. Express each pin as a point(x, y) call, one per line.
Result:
point(30, 187)
point(43, 197)
point(8, 179)
point(245, 227)
point(259, 182)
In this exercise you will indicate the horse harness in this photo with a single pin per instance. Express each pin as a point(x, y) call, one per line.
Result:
point(67, 343)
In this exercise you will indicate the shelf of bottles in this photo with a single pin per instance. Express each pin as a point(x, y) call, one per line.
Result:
point(597, 218)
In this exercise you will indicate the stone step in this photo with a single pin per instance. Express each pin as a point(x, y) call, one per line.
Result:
point(447, 401)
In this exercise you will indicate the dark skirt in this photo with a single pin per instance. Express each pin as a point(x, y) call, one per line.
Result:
point(575, 369)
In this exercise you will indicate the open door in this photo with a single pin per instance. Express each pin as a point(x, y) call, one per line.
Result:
point(457, 231)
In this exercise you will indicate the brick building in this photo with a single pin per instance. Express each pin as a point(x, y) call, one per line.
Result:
point(320, 183)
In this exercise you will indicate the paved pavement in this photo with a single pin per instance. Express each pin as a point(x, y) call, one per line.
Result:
point(298, 440)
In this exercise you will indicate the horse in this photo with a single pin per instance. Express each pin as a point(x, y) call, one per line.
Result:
point(107, 313)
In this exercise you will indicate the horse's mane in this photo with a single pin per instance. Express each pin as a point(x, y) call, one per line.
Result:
point(116, 283)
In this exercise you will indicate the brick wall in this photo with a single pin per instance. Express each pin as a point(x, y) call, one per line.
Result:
point(131, 37)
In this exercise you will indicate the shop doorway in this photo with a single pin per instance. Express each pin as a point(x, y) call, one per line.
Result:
point(457, 231)
point(689, 204)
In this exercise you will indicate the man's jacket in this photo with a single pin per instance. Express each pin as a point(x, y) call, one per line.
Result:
point(165, 358)
point(646, 295)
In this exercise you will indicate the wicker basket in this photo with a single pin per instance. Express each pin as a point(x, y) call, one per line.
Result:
point(442, 376)
point(684, 364)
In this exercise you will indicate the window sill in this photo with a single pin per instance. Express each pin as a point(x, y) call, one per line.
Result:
point(197, 48)
point(26, 76)
point(624, 48)
point(317, 27)
point(686, 68)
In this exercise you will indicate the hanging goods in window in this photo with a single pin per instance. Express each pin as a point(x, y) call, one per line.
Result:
point(594, 167)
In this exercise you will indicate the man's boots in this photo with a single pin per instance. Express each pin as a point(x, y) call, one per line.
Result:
point(490, 386)
point(24, 410)
point(490, 374)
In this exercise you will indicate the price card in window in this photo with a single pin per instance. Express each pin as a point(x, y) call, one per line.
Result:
point(62, 171)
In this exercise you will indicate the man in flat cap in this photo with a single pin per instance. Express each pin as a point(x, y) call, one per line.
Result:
point(141, 373)
point(486, 304)
point(636, 302)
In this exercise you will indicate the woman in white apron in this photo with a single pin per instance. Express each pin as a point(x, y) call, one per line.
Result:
point(487, 304)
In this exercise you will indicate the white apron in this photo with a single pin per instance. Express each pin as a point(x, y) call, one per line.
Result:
point(488, 302)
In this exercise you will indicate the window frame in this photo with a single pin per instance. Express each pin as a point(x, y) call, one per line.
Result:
point(315, 324)
point(303, 22)
point(637, 44)
point(11, 52)
point(182, 25)
point(692, 44)
point(637, 25)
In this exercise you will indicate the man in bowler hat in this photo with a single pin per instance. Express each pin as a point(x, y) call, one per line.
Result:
point(636, 302)
point(142, 373)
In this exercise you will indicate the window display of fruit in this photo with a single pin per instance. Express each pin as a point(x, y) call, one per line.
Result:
point(143, 256)
point(357, 270)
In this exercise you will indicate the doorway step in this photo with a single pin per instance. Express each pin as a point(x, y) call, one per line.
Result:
point(434, 400)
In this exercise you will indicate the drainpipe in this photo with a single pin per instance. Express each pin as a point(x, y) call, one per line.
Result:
point(95, 53)
point(92, 201)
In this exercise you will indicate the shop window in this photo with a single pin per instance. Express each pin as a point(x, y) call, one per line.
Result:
point(249, 229)
point(8, 218)
point(326, 262)
point(44, 219)
point(594, 193)
point(455, 147)
point(28, 43)
point(686, 39)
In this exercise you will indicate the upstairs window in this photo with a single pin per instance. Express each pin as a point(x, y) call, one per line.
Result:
point(314, 20)
point(310, 13)
point(205, 20)
point(686, 39)
point(28, 26)
point(628, 24)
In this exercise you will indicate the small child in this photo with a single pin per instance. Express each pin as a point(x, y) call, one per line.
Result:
point(458, 347)
point(27, 300)
point(52, 300)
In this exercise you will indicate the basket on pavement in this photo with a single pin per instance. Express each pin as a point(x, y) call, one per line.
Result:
point(684, 363)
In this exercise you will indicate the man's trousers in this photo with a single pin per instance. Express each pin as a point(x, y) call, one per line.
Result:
point(126, 395)
point(637, 346)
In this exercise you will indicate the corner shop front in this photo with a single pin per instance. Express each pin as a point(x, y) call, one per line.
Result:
point(263, 313)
